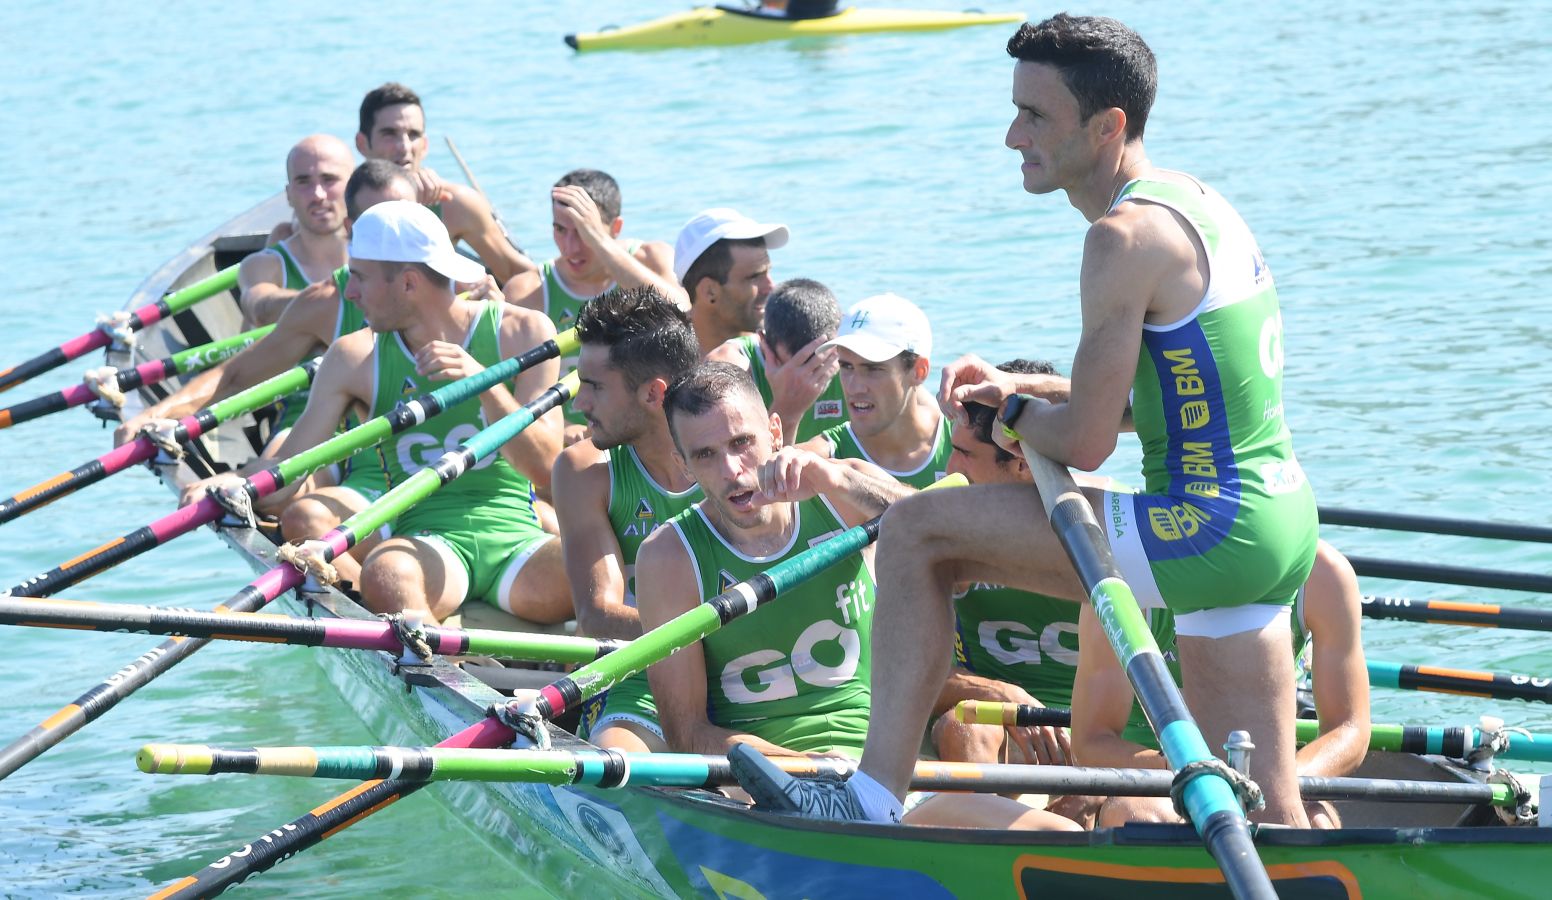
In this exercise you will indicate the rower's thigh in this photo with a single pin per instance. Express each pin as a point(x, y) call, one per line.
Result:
point(996, 533)
point(1243, 682)
point(534, 585)
point(412, 573)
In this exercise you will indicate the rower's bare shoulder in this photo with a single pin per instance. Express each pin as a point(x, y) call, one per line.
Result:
point(583, 467)
point(730, 351)
point(261, 267)
point(314, 312)
point(524, 325)
point(355, 348)
point(463, 209)
point(657, 256)
point(526, 289)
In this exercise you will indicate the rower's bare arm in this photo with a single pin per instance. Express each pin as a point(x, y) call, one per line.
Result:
point(653, 263)
point(532, 452)
point(262, 296)
point(1118, 282)
point(526, 289)
point(1332, 611)
point(580, 481)
point(469, 218)
point(731, 352)
point(344, 379)
point(857, 489)
point(192, 396)
point(667, 586)
point(1102, 704)
point(797, 381)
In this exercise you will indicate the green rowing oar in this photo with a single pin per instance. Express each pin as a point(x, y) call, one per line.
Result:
point(185, 362)
point(1454, 612)
point(1456, 743)
point(144, 448)
point(101, 336)
point(614, 769)
point(281, 578)
point(493, 730)
point(1401, 570)
point(405, 415)
point(1441, 680)
point(1507, 531)
point(1212, 807)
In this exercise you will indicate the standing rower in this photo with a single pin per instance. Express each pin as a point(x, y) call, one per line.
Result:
point(613, 489)
point(1179, 313)
point(795, 375)
point(393, 127)
point(593, 258)
point(316, 171)
point(721, 257)
point(884, 349)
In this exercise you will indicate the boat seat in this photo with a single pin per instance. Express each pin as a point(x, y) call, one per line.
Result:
point(484, 615)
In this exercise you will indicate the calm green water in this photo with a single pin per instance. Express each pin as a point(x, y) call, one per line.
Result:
point(1395, 166)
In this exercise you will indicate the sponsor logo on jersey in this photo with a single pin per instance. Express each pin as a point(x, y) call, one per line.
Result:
point(644, 509)
point(827, 409)
point(408, 387)
point(725, 580)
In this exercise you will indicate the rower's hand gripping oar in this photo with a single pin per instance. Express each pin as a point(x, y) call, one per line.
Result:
point(119, 325)
point(144, 447)
point(496, 730)
point(97, 701)
point(402, 417)
point(95, 383)
point(1209, 798)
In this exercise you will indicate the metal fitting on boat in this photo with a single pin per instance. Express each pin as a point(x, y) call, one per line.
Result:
point(1238, 748)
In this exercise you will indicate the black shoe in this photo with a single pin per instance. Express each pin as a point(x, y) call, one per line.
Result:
point(775, 790)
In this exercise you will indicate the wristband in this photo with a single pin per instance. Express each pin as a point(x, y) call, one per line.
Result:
point(1012, 408)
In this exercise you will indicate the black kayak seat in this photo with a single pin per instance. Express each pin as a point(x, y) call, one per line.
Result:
point(796, 9)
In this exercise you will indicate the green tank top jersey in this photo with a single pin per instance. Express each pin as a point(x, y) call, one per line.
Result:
point(365, 472)
point(563, 307)
point(845, 445)
point(1226, 516)
point(795, 673)
point(1031, 640)
point(492, 491)
point(828, 410)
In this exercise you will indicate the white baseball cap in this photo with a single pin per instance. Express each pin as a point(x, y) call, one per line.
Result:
point(882, 327)
point(713, 225)
point(405, 231)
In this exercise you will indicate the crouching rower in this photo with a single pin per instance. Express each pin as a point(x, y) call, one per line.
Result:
point(613, 489)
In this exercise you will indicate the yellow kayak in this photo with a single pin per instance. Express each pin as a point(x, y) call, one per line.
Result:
point(709, 25)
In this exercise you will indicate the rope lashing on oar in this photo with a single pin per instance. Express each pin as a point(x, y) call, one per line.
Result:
point(410, 634)
point(309, 558)
point(237, 500)
point(164, 437)
point(1248, 792)
point(117, 325)
point(104, 382)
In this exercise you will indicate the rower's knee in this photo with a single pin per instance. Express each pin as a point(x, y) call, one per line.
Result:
point(1118, 811)
point(305, 519)
point(957, 741)
point(388, 577)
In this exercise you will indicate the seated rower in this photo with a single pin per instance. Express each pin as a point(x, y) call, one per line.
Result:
point(477, 537)
point(393, 127)
point(316, 170)
point(796, 378)
point(616, 487)
point(721, 258)
point(1327, 616)
point(593, 258)
point(883, 349)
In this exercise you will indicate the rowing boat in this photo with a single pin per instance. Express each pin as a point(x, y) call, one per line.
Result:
point(706, 26)
point(652, 841)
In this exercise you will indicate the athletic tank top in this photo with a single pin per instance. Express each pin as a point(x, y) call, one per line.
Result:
point(1208, 404)
point(637, 506)
point(845, 445)
point(563, 307)
point(492, 484)
point(795, 672)
point(829, 409)
point(291, 407)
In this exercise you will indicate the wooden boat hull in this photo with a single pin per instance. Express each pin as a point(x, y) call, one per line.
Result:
point(707, 26)
point(671, 843)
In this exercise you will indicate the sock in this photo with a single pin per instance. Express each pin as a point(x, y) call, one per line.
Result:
point(877, 803)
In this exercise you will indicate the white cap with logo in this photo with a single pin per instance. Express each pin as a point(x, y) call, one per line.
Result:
point(405, 231)
point(713, 225)
point(882, 327)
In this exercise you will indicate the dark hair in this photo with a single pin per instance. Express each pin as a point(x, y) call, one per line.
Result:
point(983, 418)
point(704, 386)
point(378, 98)
point(647, 334)
point(437, 279)
point(377, 174)
point(1104, 64)
point(798, 311)
point(715, 262)
point(604, 190)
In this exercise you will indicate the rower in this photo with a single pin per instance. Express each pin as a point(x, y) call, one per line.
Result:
point(763, 503)
point(1178, 311)
point(795, 375)
point(721, 257)
point(616, 487)
point(478, 537)
point(393, 127)
point(316, 171)
point(1326, 618)
point(883, 350)
point(593, 258)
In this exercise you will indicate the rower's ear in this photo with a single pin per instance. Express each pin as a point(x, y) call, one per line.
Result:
point(650, 393)
point(361, 143)
point(777, 439)
point(615, 226)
